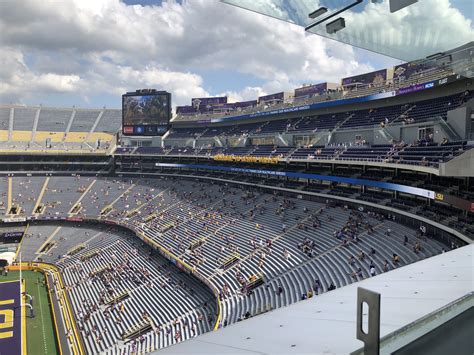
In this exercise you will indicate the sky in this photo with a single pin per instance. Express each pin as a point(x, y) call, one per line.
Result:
point(88, 53)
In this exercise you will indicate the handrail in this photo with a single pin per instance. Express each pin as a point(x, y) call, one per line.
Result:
point(55, 321)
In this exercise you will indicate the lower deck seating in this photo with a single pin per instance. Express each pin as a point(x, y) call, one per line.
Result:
point(282, 245)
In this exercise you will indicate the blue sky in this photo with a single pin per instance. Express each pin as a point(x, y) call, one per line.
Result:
point(88, 52)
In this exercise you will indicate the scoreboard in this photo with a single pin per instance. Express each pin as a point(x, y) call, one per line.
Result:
point(146, 113)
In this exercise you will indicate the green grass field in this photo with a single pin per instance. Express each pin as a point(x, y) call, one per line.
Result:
point(40, 334)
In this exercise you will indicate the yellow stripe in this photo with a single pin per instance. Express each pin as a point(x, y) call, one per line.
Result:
point(54, 314)
point(118, 198)
point(2, 303)
point(10, 192)
point(48, 240)
point(82, 196)
point(40, 197)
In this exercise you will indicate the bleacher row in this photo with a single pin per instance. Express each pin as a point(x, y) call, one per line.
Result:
point(416, 111)
point(427, 153)
point(66, 129)
point(260, 251)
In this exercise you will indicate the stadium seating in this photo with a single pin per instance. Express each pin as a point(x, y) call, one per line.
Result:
point(263, 238)
point(423, 75)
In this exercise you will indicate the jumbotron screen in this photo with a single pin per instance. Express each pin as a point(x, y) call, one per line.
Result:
point(146, 114)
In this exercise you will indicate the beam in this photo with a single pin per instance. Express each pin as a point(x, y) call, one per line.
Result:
point(40, 197)
point(310, 26)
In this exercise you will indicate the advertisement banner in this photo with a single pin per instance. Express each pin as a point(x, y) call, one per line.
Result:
point(208, 101)
point(245, 104)
point(11, 237)
point(376, 77)
point(311, 90)
point(325, 104)
point(185, 110)
point(406, 70)
point(279, 96)
point(14, 219)
point(339, 179)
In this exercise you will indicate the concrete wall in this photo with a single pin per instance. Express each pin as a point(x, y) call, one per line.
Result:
point(460, 121)
point(462, 165)
point(347, 136)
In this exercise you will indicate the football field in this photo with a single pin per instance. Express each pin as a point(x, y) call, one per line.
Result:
point(40, 333)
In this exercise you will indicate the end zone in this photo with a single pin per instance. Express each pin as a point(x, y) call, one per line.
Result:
point(12, 319)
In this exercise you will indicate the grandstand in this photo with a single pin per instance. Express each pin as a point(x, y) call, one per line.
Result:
point(46, 129)
point(246, 227)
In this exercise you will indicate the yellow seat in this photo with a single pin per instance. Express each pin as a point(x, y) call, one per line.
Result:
point(55, 137)
point(21, 136)
point(76, 137)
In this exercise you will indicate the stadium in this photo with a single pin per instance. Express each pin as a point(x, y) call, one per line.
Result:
point(333, 218)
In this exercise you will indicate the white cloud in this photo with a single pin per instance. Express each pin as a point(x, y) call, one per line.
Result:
point(16, 80)
point(93, 47)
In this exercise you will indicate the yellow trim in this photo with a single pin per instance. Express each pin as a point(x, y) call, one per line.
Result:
point(118, 198)
point(21, 136)
point(54, 315)
point(219, 313)
point(40, 197)
point(81, 197)
point(51, 236)
point(55, 137)
point(10, 193)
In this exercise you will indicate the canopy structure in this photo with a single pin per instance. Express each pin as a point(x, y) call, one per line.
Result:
point(423, 28)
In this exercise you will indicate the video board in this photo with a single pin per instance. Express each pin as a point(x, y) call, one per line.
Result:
point(146, 113)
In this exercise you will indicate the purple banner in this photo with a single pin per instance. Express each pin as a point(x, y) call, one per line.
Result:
point(406, 70)
point(375, 77)
point(10, 309)
point(272, 97)
point(208, 101)
point(185, 109)
point(244, 104)
point(308, 91)
point(415, 88)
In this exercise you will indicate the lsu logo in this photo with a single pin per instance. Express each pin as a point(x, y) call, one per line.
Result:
point(6, 320)
point(439, 197)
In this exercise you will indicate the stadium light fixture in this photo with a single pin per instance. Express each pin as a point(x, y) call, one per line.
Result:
point(336, 25)
point(396, 5)
point(318, 12)
point(334, 14)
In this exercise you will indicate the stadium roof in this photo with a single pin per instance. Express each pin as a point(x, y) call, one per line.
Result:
point(422, 29)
